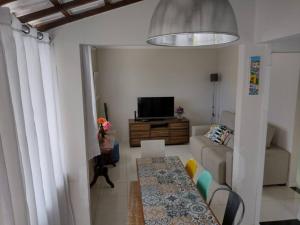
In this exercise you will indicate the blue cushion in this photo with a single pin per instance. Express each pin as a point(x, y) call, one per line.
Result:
point(115, 153)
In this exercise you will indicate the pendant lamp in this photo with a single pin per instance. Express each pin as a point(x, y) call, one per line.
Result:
point(188, 23)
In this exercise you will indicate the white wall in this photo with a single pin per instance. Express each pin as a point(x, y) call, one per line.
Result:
point(126, 74)
point(228, 69)
point(283, 97)
point(283, 103)
point(296, 142)
point(276, 19)
point(290, 44)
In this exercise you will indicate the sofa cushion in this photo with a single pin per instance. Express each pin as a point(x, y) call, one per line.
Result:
point(198, 143)
point(204, 142)
point(270, 134)
point(228, 119)
point(214, 160)
point(276, 166)
point(229, 165)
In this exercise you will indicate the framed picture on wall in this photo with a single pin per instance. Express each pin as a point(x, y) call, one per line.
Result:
point(255, 62)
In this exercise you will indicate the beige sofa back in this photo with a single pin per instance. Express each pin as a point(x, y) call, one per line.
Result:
point(228, 119)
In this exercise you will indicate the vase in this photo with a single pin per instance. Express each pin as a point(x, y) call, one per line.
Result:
point(179, 116)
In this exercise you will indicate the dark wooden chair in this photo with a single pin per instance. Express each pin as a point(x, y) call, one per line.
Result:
point(233, 204)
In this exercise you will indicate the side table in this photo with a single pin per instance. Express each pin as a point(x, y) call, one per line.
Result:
point(100, 170)
point(106, 148)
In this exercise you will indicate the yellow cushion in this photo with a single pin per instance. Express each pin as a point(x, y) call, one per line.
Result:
point(191, 167)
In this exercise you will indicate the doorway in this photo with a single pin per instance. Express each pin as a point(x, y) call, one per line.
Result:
point(279, 200)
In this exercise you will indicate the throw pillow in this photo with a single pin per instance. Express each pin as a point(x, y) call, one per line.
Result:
point(227, 135)
point(216, 134)
point(210, 133)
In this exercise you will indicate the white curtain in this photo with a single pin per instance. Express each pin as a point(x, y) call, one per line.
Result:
point(6, 209)
point(89, 100)
point(13, 200)
point(33, 96)
point(30, 156)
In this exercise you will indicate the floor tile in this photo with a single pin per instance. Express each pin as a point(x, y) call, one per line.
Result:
point(274, 210)
point(112, 204)
point(120, 189)
point(286, 222)
point(111, 218)
point(279, 203)
point(279, 192)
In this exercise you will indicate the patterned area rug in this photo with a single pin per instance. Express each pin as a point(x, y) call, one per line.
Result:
point(135, 208)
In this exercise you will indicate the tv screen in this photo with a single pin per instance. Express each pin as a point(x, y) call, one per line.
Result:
point(155, 107)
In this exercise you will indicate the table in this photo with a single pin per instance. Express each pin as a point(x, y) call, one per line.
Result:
point(100, 170)
point(169, 195)
point(106, 148)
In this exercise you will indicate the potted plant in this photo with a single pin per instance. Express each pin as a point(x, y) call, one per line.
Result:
point(104, 127)
point(180, 111)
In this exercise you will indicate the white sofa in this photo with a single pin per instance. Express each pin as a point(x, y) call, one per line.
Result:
point(218, 158)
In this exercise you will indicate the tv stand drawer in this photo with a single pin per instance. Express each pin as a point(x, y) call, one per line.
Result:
point(173, 131)
point(178, 132)
point(178, 140)
point(159, 132)
point(140, 134)
point(140, 127)
point(179, 125)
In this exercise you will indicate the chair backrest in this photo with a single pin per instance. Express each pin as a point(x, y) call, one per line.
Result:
point(233, 204)
point(203, 183)
point(153, 148)
point(191, 167)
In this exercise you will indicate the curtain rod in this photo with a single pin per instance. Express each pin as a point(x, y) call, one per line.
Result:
point(26, 30)
point(39, 35)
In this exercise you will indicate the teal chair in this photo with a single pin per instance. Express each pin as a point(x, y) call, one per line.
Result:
point(203, 183)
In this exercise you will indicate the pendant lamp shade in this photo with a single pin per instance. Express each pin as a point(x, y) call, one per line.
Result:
point(188, 23)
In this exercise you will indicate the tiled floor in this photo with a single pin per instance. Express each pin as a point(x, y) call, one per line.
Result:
point(279, 203)
point(109, 206)
point(286, 222)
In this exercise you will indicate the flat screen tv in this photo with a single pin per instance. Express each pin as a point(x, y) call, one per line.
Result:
point(155, 107)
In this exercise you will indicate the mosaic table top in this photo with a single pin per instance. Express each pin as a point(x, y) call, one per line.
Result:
point(169, 195)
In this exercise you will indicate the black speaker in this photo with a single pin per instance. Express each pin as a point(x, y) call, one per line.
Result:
point(214, 77)
point(134, 115)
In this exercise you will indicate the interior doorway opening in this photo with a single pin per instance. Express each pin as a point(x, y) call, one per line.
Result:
point(281, 172)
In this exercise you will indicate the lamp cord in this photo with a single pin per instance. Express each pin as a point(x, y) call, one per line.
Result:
point(213, 114)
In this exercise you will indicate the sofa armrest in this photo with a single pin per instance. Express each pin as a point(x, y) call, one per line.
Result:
point(200, 130)
point(229, 164)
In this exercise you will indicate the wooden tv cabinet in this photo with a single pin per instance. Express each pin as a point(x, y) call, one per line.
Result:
point(173, 131)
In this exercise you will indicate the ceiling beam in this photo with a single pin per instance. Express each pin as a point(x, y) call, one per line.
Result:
point(107, 2)
point(3, 2)
point(59, 8)
point(92, 12)
point(46, 12)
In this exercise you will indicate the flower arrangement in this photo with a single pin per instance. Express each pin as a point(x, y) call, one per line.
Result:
point(179, 111)
point(104, 126)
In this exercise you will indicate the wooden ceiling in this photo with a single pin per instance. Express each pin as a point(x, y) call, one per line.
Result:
point(62, 12)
